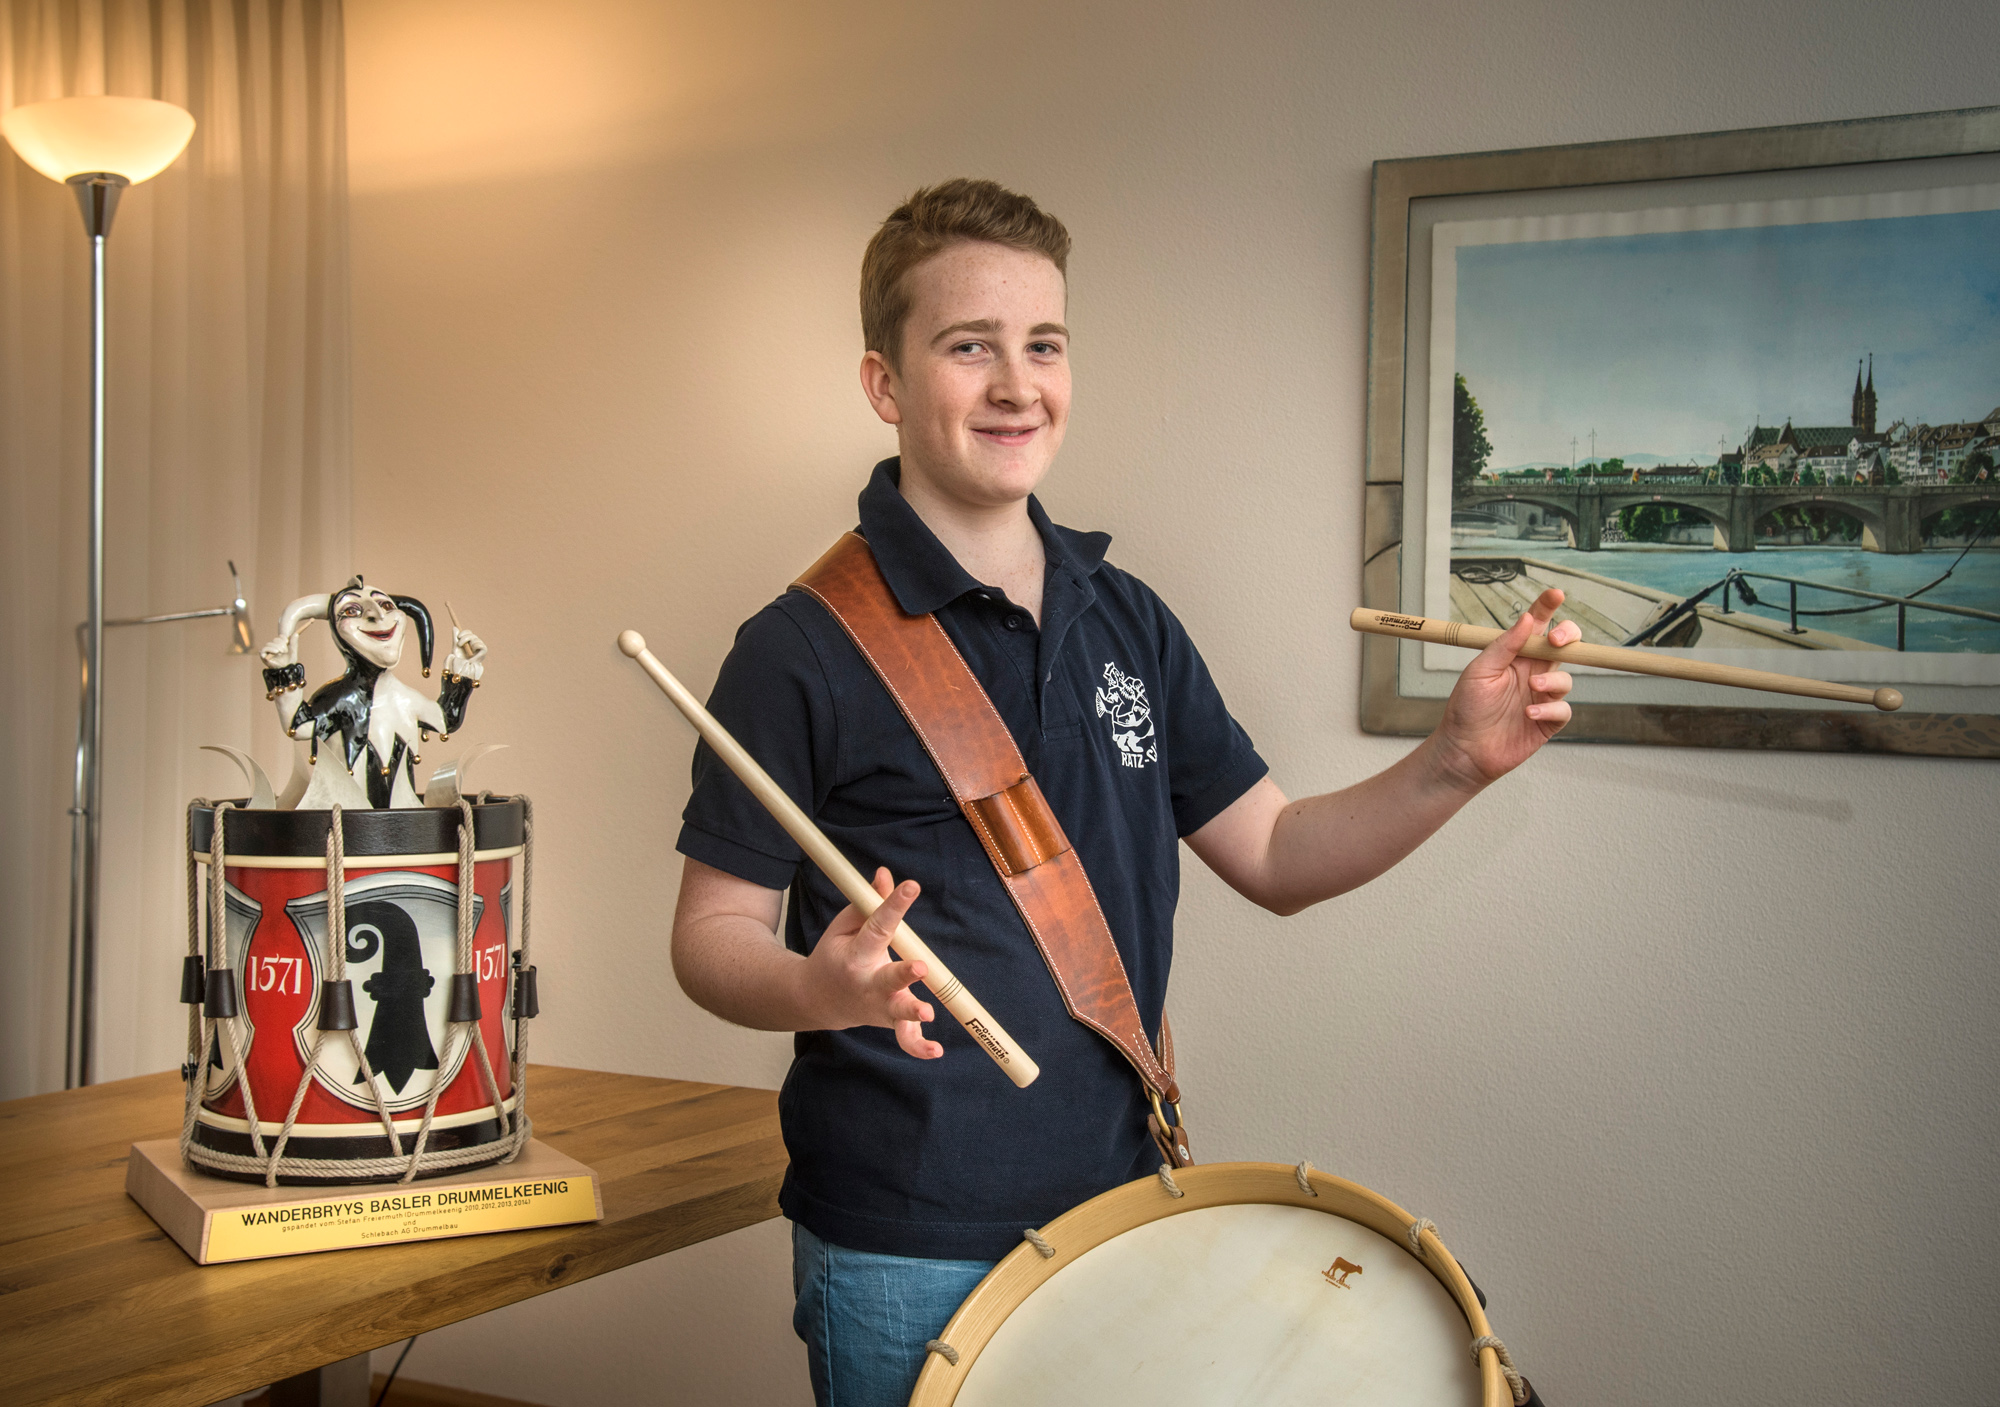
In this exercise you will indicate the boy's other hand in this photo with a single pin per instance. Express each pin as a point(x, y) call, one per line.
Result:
point(852, 980)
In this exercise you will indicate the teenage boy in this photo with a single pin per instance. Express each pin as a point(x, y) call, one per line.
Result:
point(915, 1164)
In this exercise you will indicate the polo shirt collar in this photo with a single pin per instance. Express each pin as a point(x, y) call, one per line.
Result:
point(922, 572)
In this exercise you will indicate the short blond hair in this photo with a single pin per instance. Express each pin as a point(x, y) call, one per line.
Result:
point(958, 211)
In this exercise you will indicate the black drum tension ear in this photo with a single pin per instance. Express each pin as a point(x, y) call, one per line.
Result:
point(221, 999)
point(527, 1003)
point(336, 1006)
point(464, 998)
point(193, 989)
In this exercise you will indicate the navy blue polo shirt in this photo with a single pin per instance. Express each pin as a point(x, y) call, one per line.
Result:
point(1117, 718)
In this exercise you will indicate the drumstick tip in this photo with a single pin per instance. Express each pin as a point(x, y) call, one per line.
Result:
point(1888, 700)
point(632, 643)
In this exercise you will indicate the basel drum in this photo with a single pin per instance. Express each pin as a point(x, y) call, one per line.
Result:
point(400, 954)
point(1260, 1283)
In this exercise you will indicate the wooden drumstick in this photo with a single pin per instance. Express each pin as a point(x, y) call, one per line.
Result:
point(1478, 637)
point(949, 991)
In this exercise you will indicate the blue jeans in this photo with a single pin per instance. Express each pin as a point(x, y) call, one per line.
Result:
point(865, 1317)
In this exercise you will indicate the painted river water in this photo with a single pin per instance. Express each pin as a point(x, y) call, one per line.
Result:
point(1975, 582)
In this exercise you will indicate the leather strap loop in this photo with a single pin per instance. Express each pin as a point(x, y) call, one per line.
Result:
point(978, 759)
point(1017, 827)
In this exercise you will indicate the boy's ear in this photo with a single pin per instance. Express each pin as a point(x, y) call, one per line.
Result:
point(880, 384)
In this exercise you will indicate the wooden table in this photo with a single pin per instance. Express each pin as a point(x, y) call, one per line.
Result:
point(97, 1305)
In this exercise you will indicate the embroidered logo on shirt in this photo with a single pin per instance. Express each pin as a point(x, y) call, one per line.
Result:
point(1123, 701)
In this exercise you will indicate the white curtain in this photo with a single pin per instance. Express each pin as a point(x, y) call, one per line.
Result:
point(227, 437)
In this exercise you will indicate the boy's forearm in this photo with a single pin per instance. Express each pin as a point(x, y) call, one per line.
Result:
point(733, 966)
point(1327, 845)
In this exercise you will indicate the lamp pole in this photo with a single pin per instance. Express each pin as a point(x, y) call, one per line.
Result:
point(97, 195)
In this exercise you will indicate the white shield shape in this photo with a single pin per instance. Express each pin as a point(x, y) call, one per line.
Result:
point(240, 914)
point(402, 944)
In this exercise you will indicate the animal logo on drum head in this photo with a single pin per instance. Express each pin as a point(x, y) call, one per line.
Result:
point(1337, 1273)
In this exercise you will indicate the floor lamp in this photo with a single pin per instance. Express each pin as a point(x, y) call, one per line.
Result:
point(97, 146)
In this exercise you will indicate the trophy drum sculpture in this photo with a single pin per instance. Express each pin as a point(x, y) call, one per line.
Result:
point(358, 993)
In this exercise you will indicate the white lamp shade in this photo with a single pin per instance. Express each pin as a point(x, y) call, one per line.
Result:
point(136, 138)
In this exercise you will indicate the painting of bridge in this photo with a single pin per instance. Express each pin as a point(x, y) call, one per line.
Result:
point(1665, 385)
point(1892, 517)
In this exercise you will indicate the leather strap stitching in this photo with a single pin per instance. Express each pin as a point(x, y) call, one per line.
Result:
point(1027, 833)
point(1151, 1067)
point(986, 837)
point(901, 703)
point(1013, 749)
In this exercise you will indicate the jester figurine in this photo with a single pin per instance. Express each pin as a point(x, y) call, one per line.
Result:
point(380, 721)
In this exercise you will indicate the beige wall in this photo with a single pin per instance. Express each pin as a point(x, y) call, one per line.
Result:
point(1690, 1054)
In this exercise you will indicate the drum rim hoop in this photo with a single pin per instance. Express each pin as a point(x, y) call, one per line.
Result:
point(358, 864)
point(1139, 1203)
point(498, 823)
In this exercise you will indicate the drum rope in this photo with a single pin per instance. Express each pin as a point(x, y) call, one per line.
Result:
point(237, 1050)
point(292, 1113)
point(467, 914)
point(344, 1169)
point(1167, 1181)
point(461, 966)
point(195, 1073)
point(336, 944)
point(1040, 1243)
point(1417, 1230)
point(218, 932)
point(193, 949)
point(203, 1032)
point(519, 1064)
point(416, 1158)
point(194, 1098)
point(1303, 1172)
point(493, 1092)
point(945, 1350)
point(1517, 1384)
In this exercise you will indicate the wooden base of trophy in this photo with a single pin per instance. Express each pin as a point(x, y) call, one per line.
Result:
point(214, 1219)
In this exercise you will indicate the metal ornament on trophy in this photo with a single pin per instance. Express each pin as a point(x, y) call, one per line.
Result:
point(356, 979)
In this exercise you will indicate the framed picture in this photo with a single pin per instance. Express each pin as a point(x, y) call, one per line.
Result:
point(1737, 394)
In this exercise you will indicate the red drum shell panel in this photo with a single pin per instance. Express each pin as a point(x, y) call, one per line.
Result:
point(280, 974)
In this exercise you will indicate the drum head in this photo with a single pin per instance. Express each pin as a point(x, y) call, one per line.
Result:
point(1246, 1290)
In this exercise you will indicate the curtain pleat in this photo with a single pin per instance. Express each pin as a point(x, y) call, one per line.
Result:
point(227, 437)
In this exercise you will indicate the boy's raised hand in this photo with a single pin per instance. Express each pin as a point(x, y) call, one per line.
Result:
point(1505, 707)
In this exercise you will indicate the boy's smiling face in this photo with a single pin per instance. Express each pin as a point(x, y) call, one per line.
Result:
point(980, 398)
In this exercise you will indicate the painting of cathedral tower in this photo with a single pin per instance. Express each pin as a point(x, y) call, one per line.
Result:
point(1852, 453)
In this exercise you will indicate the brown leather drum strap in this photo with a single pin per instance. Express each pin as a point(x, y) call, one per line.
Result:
point(980, 762)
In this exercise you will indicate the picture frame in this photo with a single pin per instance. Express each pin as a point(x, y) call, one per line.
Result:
point(1762, 178)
